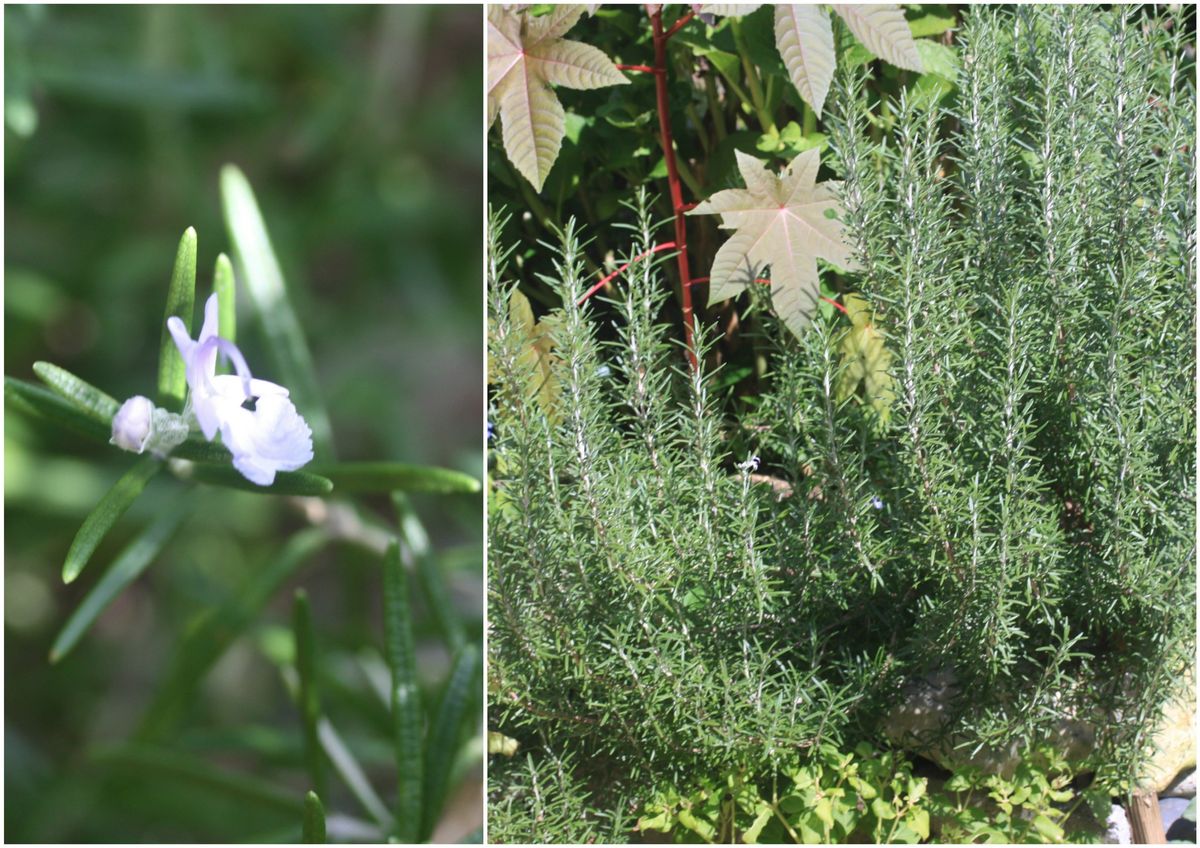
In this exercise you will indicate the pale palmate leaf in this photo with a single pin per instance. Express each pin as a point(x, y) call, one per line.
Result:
point(805, 42)
point(804, 38)
point(526, 55)
point(884, 31)
point(784, 221)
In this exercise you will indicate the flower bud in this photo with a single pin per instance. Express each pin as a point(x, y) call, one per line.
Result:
point(131, 426)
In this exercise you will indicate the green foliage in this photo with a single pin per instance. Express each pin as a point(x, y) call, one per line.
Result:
point(828, 797)
point(360, 133)
point(834, 797)
point(181, 300)
point(681, 589)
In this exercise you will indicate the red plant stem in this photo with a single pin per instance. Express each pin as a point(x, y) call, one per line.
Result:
point(668, 146)
point(646, 69)
point(764, 281)
point(679, 24)
point(670, 245)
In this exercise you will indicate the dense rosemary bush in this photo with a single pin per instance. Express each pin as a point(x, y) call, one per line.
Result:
point(1009, 503)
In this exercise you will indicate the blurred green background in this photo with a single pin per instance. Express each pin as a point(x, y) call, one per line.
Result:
point(360, 130)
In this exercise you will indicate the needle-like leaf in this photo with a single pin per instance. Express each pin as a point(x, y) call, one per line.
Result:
point(314, 820)
point(429, 574)
point(215, 629)
point(263, 278)
point(286, 482)
point(453, 713)
point(82, 394)
point(226, 289)
point(309, 700)
point(101, 519)
point(381, 477)
point(181, 300)
point(126, 568)
point(407, 718)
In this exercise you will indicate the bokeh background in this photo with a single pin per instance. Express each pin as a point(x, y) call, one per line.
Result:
point(360, 130)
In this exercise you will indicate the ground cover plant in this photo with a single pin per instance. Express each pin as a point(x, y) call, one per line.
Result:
point(931, 437)
point(243, 513)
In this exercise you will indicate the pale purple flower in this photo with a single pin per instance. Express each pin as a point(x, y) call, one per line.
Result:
point(269, 437)
point(131, 425)
point(140, 426)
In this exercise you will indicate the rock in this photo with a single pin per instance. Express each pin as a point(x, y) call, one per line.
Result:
point(917, 723)
point(1119, 831)
point(1175, 740)
point(1175, 824)
point(1183, 786)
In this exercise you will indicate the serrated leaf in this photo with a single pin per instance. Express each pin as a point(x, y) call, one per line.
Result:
point(884, 31)
point(83, 395)
point(181, 299)
point(383, 477)
point(805, 42)
point(101, 519)
point(126, 568)
point(526, 55)
point(537, 357)
point(729, 9)
point(785, 222)
point(866, 360)
point(405, 698)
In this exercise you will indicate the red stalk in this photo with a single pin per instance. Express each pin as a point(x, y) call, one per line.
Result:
point(668, 146)
point(670, 245)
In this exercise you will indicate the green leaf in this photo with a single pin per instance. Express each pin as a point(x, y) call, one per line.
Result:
point(405, 696)
point(101, 519)
point(36, 401)
point(286, 482)
point(82, 394)
point(931, 24)
point(751, 834)
point(48, 406)
point(352, 774)
point(211, 633)
point(181, 302)
point(429, 574)
point(155, 763)
point(307, 696)
point(452, 714)
point(226, 290)
point(918, 820)
point(126, 568)
point(314, 820)
point(261, 274)
point(1048, 829)
point(373, 477)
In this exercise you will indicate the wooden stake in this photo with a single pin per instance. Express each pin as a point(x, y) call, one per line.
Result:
point(1146, 819)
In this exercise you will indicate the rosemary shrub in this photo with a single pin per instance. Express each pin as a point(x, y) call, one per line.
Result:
point(678, 592)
